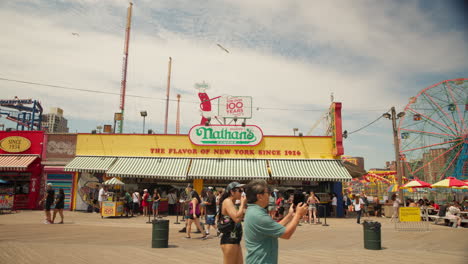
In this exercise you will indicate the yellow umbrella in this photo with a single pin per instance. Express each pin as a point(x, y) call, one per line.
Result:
point(448, 183)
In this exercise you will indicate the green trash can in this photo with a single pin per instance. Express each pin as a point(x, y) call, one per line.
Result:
point(160, 234)
point(372, 236)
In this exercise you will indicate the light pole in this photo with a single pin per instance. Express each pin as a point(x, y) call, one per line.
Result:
point(393, 116)
point(143, 114)
point(295, 130)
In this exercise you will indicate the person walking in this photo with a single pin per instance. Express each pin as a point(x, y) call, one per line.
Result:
point(156, 199)
point(210, 205)
point(358, 204)
point(261, 231)
point(230, 223)
point(396, 205)
point(194, 215)
point(136, 202)
point(59, 205)
point(334, 204)
point(49, 200)
point(312, 201)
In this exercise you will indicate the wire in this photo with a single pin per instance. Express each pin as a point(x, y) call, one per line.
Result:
point(159, 99)
point(365, 126)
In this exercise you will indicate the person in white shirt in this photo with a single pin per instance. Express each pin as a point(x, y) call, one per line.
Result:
point(102, 196)
point(334, 203)
point(358, 204)
point(453, 213)
point(136, 202)
point(172, 201)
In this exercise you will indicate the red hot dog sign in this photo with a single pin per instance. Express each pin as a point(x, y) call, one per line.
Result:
point(225, 135)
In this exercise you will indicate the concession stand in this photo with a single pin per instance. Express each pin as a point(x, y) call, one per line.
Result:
point(21, 169)
point(214, 155)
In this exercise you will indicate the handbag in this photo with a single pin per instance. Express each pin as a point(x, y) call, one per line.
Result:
point(226, 225)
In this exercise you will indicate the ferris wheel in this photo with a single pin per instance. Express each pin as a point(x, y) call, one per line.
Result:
point(433, 132)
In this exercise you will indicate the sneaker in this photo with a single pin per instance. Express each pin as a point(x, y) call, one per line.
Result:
point(183, 230)
point(205, 237)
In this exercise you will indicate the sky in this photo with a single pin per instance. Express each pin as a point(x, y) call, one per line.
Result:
point(289, 56)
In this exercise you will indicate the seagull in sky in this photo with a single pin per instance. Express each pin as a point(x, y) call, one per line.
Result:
point(223, 48)
point(75, 34)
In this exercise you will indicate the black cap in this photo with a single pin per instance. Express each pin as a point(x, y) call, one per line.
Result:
point(189, 185)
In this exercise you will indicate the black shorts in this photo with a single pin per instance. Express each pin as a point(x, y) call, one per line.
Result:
point(59, 206)
point(47, 206)
point(190, 216)
point(226, 238)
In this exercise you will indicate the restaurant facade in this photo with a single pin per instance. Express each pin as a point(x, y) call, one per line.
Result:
point(21, 169)
point(209, 155)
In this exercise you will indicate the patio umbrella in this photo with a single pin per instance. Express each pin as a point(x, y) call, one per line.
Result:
point(448, 182)
point(392, 188)
point(113, 181)
point(416, 183)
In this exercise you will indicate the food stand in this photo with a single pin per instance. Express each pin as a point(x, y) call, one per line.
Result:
point(112, 207)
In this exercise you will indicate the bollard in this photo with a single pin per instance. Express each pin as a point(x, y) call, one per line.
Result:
point(372, 235)
point(160, 237)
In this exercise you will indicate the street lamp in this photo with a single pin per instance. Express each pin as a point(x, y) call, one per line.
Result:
point(295, 130)
point(143, 114)
point(99, 128)
point(394, 116)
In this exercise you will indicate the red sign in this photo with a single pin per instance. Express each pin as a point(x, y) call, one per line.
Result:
point(36, 138)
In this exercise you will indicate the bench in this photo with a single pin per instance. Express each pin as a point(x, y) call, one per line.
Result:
point(436, 219)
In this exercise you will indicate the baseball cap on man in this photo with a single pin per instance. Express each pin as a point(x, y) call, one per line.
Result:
point(189, 185)
point(233, 185)
point(49, 184)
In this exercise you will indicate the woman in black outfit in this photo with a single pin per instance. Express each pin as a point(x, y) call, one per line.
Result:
point(59, 205)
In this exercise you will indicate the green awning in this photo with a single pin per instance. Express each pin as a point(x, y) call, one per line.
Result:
point(90, 164)
point(231, 169)
point(158, 168)
point(309, 170)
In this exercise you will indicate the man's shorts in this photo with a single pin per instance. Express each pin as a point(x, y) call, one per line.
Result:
point(210, 219)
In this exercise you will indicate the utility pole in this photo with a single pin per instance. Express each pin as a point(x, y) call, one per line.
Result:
point(178, 115)
point(167, 94)
point(123, 86)
point(398, 167)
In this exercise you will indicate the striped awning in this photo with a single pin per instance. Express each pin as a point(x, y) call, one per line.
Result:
point(157, 168)
point(16, 162)
point(309, 170)
point(231, 169)
point(90, 164)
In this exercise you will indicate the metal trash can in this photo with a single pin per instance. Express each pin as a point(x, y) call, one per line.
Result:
point(372, 236)
point(160, 234)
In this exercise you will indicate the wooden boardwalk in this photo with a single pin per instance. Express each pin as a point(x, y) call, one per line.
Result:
point(86, 238)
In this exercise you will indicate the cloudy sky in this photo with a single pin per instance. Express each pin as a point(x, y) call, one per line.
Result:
point(288, 55)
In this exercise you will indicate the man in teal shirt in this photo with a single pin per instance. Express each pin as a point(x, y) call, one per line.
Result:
point(260, 230)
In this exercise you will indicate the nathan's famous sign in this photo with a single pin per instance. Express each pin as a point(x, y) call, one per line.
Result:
point(225, 135)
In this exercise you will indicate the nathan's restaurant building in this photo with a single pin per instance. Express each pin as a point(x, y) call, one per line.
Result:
point(210, 155)
point(20, 169)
